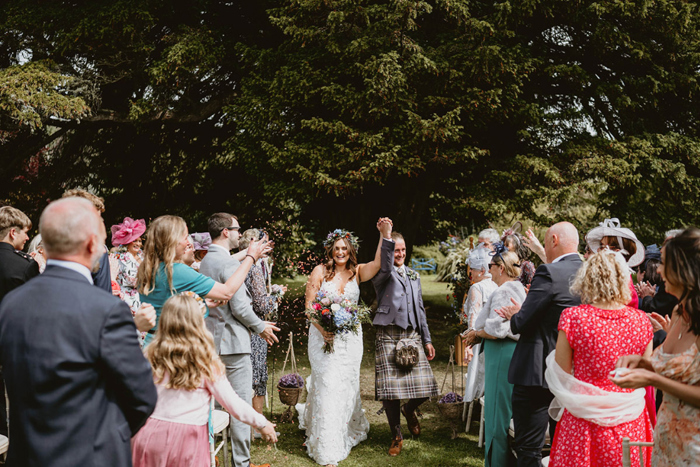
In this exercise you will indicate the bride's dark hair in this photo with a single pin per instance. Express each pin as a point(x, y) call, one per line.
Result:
point(330, 263)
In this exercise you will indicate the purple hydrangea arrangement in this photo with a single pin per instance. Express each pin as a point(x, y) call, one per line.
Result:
point(450, 398)
point(292, 380)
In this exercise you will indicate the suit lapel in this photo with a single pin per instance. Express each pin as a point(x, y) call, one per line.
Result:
point(401, 279)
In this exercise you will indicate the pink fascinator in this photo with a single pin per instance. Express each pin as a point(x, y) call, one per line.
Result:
point(127, 231)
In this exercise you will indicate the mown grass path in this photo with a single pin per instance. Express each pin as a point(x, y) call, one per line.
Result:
point(433, 448)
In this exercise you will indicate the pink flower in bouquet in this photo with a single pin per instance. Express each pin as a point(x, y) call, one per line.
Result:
point(317, 306)
point(325, 301)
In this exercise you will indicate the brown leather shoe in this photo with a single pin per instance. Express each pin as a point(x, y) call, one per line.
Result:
point(395, 448)
point(259, 465)
point(411, 421)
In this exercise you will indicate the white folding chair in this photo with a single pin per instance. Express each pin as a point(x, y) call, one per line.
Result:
point(627, 454)
point(220, 421)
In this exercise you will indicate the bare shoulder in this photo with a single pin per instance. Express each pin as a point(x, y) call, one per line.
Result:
point(317, 274)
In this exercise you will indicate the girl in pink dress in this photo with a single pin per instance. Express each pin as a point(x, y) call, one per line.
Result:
point(188, 373)
point(592, 337)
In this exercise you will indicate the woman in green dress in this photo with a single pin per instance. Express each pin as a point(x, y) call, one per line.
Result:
point(499, 344)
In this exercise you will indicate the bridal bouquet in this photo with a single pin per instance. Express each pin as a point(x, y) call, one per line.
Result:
point(337, 315)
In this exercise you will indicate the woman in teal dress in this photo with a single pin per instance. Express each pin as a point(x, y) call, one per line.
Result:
point(499, 345)
point(162, 275)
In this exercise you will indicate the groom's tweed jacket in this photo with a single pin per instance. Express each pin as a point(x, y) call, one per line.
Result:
point(396, 295)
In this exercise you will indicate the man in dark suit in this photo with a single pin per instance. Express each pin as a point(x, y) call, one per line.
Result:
point(537, 322)
point(400, 317)
point(78, 384)
point(16, 268)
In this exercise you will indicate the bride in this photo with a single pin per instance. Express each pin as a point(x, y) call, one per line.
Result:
point(332, 416)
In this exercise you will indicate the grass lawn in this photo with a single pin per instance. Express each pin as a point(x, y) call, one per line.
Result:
point(433, 448)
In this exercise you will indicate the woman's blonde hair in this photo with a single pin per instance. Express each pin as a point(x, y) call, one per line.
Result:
point(510, 263)
point(603, 279)
point(183, 348)
point(162, 238)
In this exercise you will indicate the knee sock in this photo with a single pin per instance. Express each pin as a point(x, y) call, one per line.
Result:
point(413, 404)
point(393, 415)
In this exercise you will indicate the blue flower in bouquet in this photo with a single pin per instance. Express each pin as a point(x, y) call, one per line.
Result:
point(342, 318)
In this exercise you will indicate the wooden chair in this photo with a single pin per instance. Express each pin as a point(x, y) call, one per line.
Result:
point(220, 422)
point(626, 452)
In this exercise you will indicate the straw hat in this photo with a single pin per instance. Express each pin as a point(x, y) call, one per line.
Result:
point(611, 228)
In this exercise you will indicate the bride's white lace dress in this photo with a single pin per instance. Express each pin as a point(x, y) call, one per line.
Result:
point(332, 416)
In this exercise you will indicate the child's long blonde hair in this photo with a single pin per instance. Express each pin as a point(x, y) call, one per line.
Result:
point(183, 347)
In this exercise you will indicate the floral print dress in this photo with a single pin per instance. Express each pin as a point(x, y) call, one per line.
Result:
point(677, 434)
point(264, 307)
point(126, 278)
point(598, 338)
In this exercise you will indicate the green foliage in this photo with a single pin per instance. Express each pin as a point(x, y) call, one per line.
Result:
point(439, 113)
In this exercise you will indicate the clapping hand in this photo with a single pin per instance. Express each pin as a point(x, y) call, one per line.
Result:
point(269, 332)
point(508, 311)
point(145, 317)
point(531, 241)
point(659, 322)
point(645, 289)
point(258, 249)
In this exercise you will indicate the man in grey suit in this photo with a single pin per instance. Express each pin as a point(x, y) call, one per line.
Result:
point(400, 317)
point(232, 324)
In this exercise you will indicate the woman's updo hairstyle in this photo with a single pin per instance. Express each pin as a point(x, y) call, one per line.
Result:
point(510, 263)
point(682, 270)
point(603, 278)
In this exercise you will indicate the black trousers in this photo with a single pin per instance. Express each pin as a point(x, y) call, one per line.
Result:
point(531, 420)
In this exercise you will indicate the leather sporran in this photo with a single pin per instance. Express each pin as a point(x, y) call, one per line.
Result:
point(407, 353)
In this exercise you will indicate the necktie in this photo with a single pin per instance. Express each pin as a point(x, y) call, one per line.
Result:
point(400, 271)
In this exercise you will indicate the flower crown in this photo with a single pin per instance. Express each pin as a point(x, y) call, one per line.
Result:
point(200, 301)
point(337, 234)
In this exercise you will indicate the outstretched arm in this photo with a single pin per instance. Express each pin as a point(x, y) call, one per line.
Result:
point(368, 270)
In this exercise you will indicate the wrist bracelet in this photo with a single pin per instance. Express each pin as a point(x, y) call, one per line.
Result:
point(251, 257)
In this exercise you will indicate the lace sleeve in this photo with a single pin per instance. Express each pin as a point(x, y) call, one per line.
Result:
point(472, 306)
point(263, 304)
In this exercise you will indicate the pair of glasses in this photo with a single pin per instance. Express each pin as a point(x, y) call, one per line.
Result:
point(492, 265)
point(230, 228)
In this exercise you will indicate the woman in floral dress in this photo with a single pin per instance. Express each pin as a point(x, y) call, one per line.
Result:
point(127, 238)
point(592, 337)
point(674, 367)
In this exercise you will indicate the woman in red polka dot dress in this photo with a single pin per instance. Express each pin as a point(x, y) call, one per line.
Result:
point(592, 337)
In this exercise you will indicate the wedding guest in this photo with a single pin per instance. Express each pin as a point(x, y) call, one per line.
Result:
point(127, 238)
point(499, 344)
point(674, 367)
point(536, 321)
point(161, 275)
point(610, 235)
point(188, 373)
point(591, 338)
point(479, 292)
point(78, 384)
point(36, 251)
point(100, 276)
point(16, 268)
point(234, 322)
point(488, 237)
point(200, 242)
point(264, 307)
point(188, 257)
point(515, 243)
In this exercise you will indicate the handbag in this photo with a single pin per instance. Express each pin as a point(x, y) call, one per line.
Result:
point(407, 353)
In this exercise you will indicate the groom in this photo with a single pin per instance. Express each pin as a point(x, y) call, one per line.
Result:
point(400, 315)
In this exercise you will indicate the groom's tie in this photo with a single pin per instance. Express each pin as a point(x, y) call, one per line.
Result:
point(400, 271)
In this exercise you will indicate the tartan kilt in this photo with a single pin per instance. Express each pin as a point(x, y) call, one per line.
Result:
point(392, 382)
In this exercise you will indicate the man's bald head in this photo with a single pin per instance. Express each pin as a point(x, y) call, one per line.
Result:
point(69, 226)
point(560, 239)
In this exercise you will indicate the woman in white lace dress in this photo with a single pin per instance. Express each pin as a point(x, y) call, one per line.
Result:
point(481, 289)
point(332, 416)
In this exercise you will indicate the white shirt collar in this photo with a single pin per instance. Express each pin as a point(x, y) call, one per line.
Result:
point(562, 256)
point(79, 268)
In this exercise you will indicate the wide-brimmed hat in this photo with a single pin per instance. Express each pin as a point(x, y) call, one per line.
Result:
point(127, 231)
point(611, 228)
point(201, 241)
